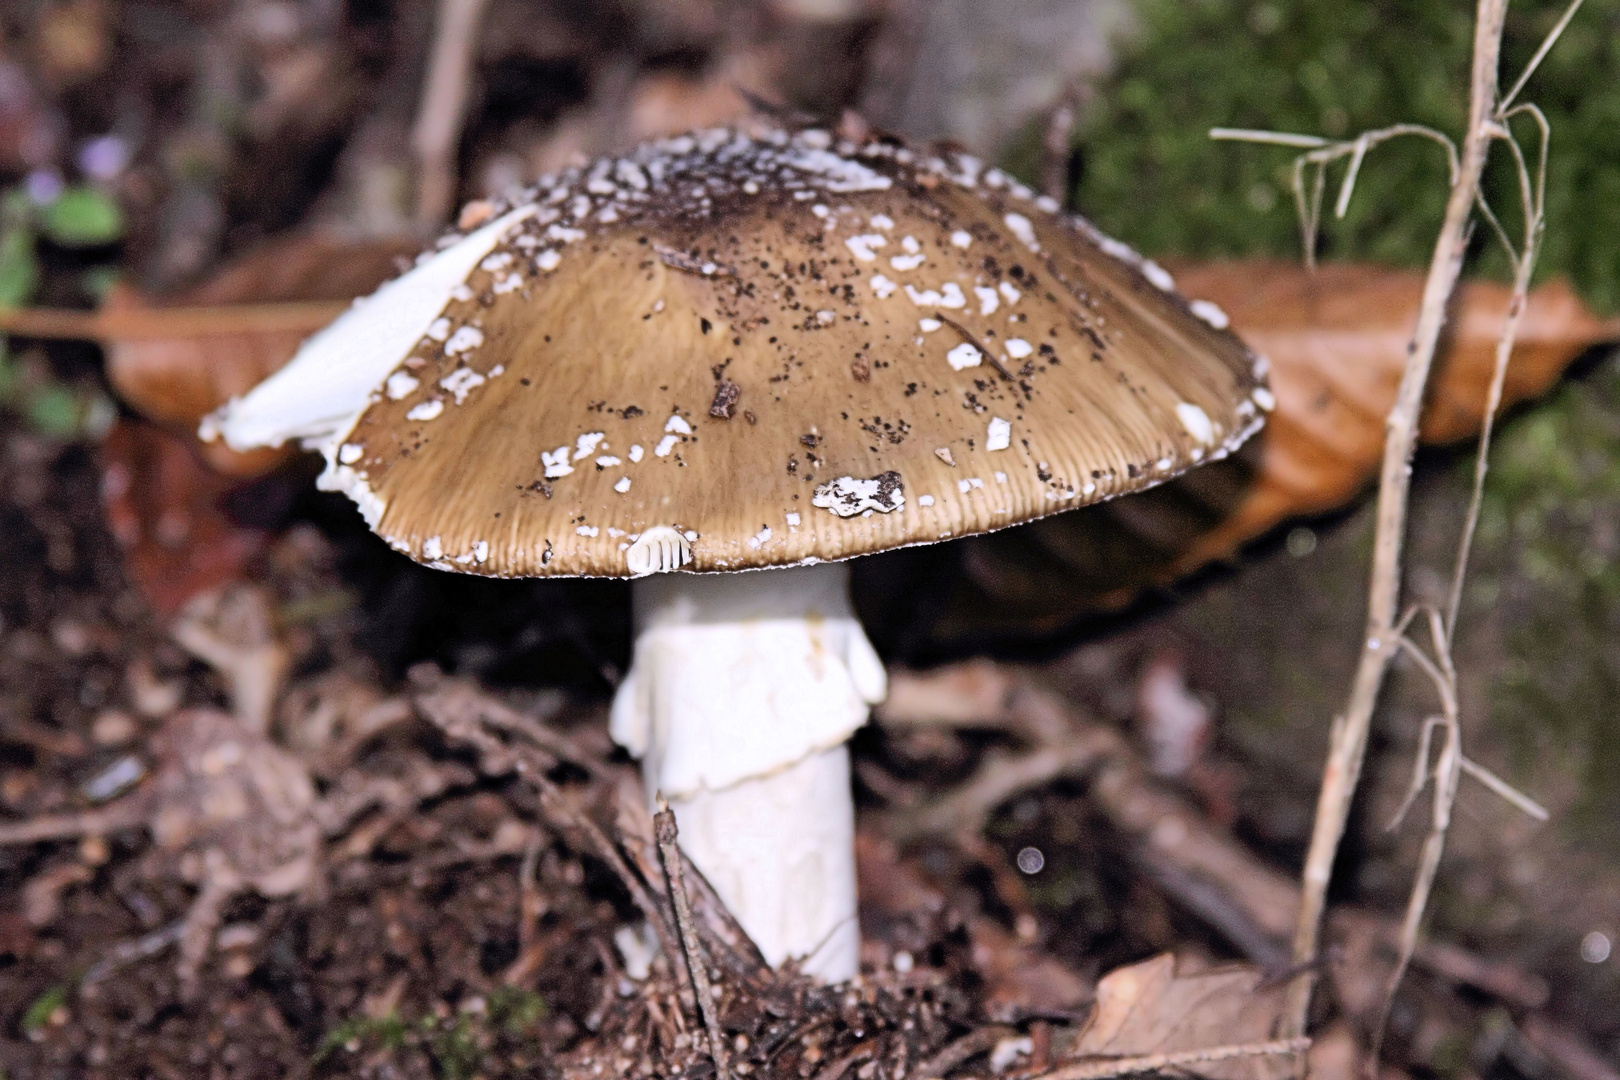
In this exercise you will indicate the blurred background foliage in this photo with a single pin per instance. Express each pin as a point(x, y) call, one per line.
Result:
point(1149, 172)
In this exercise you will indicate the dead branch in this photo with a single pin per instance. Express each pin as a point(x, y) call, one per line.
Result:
point(1152, 1063)
point(665, 830)
point(954, 1053)
point(450, 713)
point(129, 813)
point(1201, 867)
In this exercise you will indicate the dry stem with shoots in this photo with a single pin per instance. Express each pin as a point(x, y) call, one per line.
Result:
point(1490, 114)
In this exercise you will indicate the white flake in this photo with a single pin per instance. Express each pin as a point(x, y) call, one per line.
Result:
point(349, 453)
point(883, 221)
point(480, 552)
point(1021, 228)
point(432, 548)
point(861, 246)
point(760, 538)
point(427, 410)
point(607, 461)
point(1264, 398)
point(677, 425)
point(586, 444)
point(1001, 478)
point(882, 286)
point(820, 210)
point(461, 382)
point(463, 340)
point(999, 436)
point(1018, 348)
point(1008, 293)
point(556, 462)
point(636, 453)
point(507, 284)
point(963, 356)
point(587, 530)
point(944, 454)
point(498, 261)
point(965, 486)
point(949, 296)
point(399, 385)
point(1048, 204)
point(1159, 276)
point(548, 259)
point(563, 234)
point(1210, 313)
point(792, 520)
point(462, 292)
point(851, 495)
point(1196, 421)
point(665, 445)
point(925, 500)
point(929, 325)
point(908, 262)
point(988, 300)
point(824, 316)
point(628, 172)
point(839, 174)
point(623, 485)
point(438, 329)
point(962, 238)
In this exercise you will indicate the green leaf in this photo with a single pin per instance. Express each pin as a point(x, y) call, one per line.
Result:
point(54, 411)
point(44, 1007)
point(83, 217)
point(19, 270)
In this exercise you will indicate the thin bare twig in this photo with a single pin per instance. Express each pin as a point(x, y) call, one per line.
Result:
point(437, 131)
point(959, 1050)
point(128, 813)
point(665, 830)
point(143, 324)
point(1152, 1063)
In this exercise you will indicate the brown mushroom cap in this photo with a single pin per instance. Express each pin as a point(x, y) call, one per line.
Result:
point(759, 342)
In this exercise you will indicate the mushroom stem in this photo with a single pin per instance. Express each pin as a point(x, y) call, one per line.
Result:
point(742, 693)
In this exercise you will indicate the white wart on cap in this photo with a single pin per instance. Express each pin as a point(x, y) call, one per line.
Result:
point(756, 351)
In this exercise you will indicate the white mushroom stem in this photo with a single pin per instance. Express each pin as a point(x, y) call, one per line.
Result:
point(742, 693)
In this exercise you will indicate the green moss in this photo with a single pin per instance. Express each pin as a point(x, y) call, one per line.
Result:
point(460, 1045)
point(1151, 175)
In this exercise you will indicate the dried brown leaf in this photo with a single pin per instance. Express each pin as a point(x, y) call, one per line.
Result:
point(163, 507)
point(1148, 1008)
point(1337, 343)
point(176, 380)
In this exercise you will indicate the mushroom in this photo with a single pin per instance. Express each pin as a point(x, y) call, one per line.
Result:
point(766, 352)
